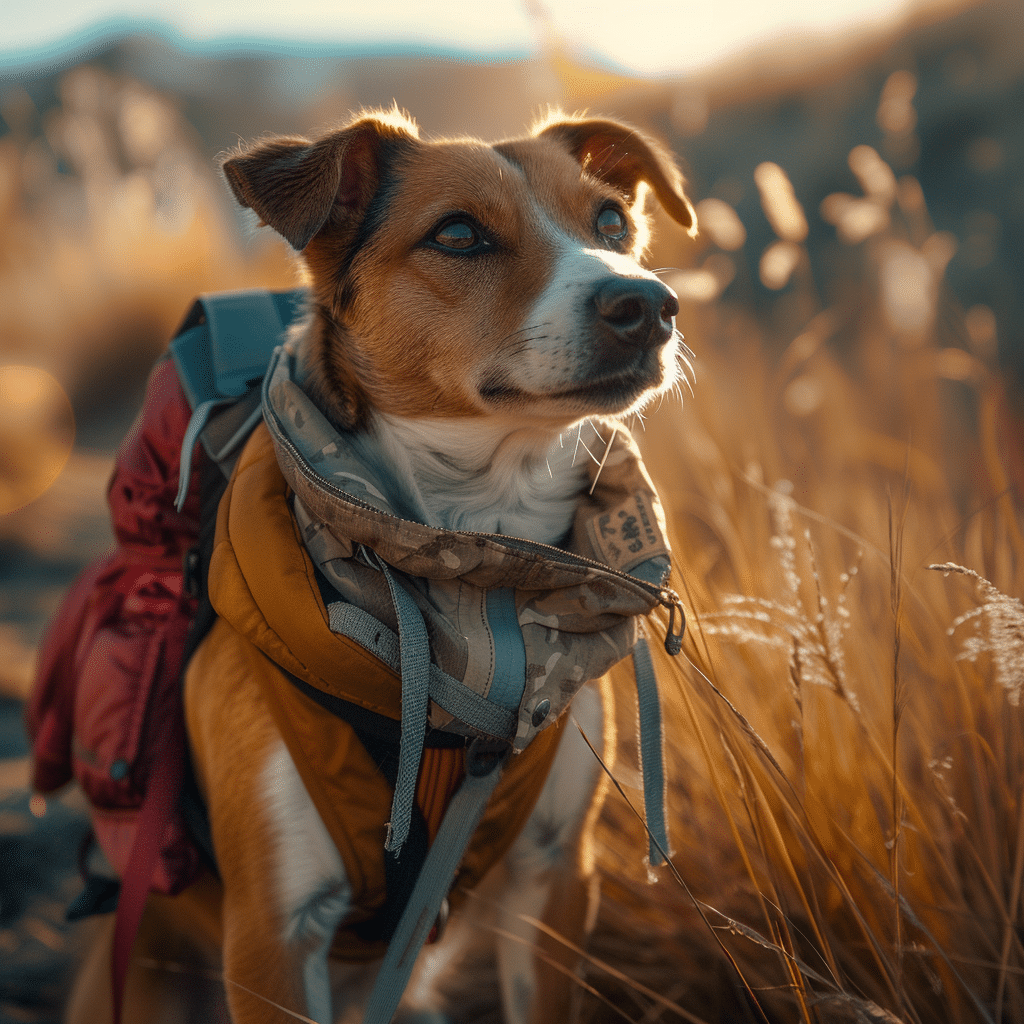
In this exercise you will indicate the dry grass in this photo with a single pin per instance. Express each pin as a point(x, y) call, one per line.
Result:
point(844, 724)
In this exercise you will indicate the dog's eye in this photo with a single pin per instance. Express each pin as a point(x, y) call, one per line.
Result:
point(456, 234)
point(611, 223)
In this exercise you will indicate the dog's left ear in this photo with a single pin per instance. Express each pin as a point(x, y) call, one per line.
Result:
point(623, 157)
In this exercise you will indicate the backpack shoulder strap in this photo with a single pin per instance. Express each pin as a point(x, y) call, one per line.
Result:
point(221, 353)
point(224, 344)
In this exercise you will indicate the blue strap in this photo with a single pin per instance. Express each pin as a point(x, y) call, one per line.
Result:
point(244, 328)
point(414, 655)
point(223, 345)
point(509, 676)
point(483, 770)
point(450, 694)
point(200, 415)
point(651, 752)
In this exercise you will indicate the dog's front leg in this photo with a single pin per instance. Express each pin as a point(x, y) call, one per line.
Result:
point(285, 893)
point(548, 872)
point(285, 888)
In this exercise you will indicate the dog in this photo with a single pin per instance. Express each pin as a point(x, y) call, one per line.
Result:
point(470, 305)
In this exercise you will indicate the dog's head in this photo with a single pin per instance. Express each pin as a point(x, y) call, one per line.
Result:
point(456, 278)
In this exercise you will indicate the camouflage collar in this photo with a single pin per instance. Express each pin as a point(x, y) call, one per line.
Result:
point(521, 624)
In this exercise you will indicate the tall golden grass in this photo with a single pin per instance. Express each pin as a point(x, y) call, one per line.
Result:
point(846, 752)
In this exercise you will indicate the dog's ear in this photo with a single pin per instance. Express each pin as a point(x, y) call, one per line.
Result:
point(297, 186)
point(624, 157)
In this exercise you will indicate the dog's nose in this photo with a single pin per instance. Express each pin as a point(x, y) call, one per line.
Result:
point(639, 311)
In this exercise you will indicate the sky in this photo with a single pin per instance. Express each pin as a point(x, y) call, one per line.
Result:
point(657, 37)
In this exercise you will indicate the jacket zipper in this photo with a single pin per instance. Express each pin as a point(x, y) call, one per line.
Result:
point(665, 596)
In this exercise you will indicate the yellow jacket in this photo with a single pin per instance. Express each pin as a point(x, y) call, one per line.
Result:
point(272, 617)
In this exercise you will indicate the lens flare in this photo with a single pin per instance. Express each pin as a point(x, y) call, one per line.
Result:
point(37, 431)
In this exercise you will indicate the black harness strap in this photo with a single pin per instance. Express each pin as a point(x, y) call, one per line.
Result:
point(376, 734)
point(212, 484)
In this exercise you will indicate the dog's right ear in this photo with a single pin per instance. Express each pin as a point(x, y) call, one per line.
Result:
point(298, 187)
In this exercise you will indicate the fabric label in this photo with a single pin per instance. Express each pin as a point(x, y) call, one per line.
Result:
point(628, 534)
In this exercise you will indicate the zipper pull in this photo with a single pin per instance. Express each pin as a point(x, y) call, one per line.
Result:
point(673, 637)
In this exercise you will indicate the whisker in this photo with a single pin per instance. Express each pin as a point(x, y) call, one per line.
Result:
point(589, 452)
point(686, 375)
point(684, 348)
point(515, 346)
point(580, 441)
point(618, 160)
point(523, 330)
point(599, 158)
point(532, 327)
point(604, 459)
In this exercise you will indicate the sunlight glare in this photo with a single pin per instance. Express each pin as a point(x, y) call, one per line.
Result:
point(652, 38)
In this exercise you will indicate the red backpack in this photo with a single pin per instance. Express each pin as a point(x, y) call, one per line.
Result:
point(106, 708)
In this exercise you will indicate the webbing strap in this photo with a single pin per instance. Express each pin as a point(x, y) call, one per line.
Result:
point(453, 696)
point(162, 790)
point(483, 770)
point(414, 653)
point(651, 754)
point(219, 351)
point(200, 415)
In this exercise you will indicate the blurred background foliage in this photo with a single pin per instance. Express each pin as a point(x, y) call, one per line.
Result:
point(847, 804)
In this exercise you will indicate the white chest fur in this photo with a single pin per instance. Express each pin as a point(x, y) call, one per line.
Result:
point(481, 475)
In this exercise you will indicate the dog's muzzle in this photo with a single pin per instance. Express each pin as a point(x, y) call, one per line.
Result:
point(635, 312)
